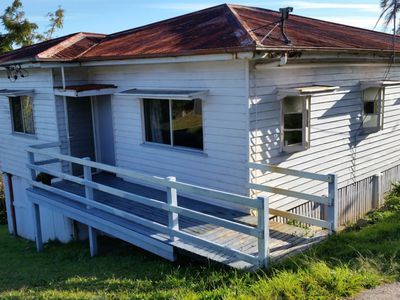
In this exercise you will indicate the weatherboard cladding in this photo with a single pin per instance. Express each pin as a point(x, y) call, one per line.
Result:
point(219, 29)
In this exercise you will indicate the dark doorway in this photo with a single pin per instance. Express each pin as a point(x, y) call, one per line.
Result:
point(80, 128)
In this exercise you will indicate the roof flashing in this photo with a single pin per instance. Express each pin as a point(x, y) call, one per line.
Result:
point(306, 90)
point(87, 90)
point(16, 93)
point(378, 84)
point(166, 94)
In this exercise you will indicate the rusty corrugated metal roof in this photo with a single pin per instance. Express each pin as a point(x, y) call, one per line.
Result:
point(220, 29)
point(63, 48)
point(307, 33)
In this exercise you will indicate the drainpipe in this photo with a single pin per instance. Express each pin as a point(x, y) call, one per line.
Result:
point(12, 207)
point(63, 77)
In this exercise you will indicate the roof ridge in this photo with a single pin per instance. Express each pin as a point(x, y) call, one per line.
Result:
point(242, 24)
point(38, 44)
point(131, 30)
point(61, 46)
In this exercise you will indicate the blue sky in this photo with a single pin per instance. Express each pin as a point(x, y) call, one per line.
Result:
point(107, 16)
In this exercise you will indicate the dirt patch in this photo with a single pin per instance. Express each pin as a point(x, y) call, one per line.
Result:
point(384, 292)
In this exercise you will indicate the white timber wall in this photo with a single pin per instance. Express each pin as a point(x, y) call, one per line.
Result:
point(225, 120)
point(337, 144)
point(13, 157)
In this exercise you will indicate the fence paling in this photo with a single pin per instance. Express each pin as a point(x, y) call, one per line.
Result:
point(261, 232)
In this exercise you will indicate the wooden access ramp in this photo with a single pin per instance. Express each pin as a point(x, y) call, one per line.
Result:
point(164, 222)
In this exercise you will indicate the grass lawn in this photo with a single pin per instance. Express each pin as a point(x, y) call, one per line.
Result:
point(340, 267)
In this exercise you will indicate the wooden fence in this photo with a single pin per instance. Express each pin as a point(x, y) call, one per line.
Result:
point(357, 199)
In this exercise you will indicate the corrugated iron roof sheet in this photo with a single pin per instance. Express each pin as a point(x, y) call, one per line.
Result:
point(63, 48)
point(310, 33)
point(219, 29)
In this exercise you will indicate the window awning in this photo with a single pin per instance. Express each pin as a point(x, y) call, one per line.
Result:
point(306, 90)
point(15, 93)
point(165, 94)
point(378, 83)
point(86, 90)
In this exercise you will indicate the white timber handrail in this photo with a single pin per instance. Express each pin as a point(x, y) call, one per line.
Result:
point(329, 202)
point(172, 187)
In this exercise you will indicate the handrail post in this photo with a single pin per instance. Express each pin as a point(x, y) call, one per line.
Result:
point(31, 161)
point(87, 175)
point(332, 213)
point(172, 200)
point(263, 226)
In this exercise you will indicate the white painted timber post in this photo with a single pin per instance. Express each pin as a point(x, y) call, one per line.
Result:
point(35, 208)
point(93, 241)
point(172, 201)
point(92, 232)
point(38, 227)
point(31, 161)
point(87, 175)
point(333, 212)
point(377, 191)
point(263, 227)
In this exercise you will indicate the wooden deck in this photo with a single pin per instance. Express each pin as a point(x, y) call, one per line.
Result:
point(284, 239)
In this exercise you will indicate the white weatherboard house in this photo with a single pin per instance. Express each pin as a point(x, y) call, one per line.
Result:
point(205, 132)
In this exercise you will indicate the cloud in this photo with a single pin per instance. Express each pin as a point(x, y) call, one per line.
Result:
point(317, 5)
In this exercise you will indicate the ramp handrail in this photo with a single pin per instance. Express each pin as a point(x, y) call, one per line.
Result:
point(172, 187)
point(329, 202)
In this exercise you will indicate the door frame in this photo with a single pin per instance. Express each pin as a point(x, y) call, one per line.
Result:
point(95, 140)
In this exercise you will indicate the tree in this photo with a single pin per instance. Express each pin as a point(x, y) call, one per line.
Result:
point(56, 22)
point(390, 8)
point(20, 32)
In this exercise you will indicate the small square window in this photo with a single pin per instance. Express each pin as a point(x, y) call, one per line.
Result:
point(295, 127)
point(22, 114)
point(372, 116)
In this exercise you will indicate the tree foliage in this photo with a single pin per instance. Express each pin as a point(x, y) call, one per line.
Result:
point(390, 8)
point(20, 32)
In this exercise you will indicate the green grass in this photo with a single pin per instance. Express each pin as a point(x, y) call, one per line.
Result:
point(362, 257)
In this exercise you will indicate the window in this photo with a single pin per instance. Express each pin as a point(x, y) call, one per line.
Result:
point(22, 114)
point(178, 123)
point(372, 109)
point(295, 124)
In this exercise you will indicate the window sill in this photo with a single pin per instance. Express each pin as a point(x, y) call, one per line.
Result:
point(25, 135)
point(175, 149)
point(295, 149)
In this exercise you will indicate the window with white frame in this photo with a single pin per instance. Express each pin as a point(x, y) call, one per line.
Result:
point(372, 109)
point(177, 123)
point(21, 108)
point(295, 123)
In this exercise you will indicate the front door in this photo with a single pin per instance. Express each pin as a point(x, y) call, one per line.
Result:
point(80, 129)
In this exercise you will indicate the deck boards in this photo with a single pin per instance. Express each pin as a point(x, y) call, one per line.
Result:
point(284, 240)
